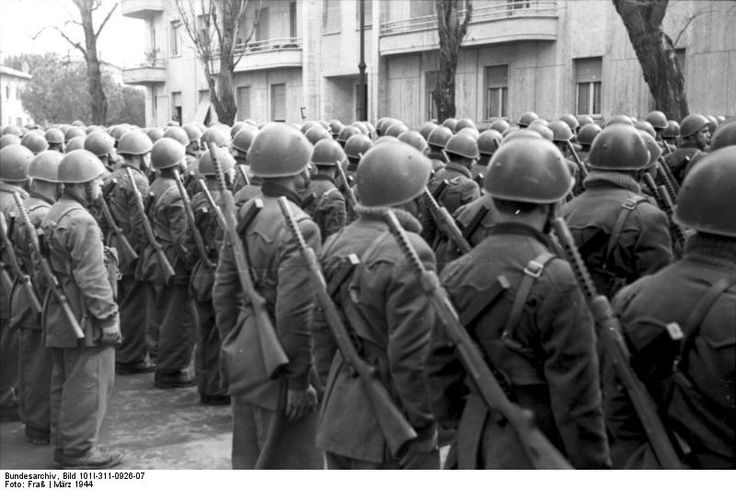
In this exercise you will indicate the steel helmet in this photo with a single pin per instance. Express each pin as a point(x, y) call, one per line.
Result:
point(620, 119)
point(415, 139)
point(236, 127)
point(118, 131)
point(207, 167)
point(134, 142)
point(391, 174)
point(385, 139)
point(439, 137)
point(193, 132)
point(166, 153)
point(500, 125)
point(317, 133)
point(99, 143)
point(382, 124)
point(471, 131)
point(45, 166)
point(539, 122)
point(724, 136)
point(154, 134)
point(244, 138)
point(335, 126)
point(588, 133)
point(216, 135)
point(14, 162)
point(327, 152)
point(178, 134)
point(464, 123)
point(360, 125)
point(691, 124)
point(513, 133)
point(14, 130)
point(8, 139)
point(646, 127)
point(560, 131)
point(76, 143)
point(544, 131)
point(77, 122)
point(79, 166)
point(706, 198)
point(489, 141)
point(672, 130)
point(90, 129)
point(396, 129)
point(73, 132)
point(54, 136)
point(346, 133)
point(450, 123)
point(657, 119)
point(427, 129)
point(618, 147)
point(527, 118)
point(308, 125)
point(528, 170)
point(571, 121)
point(712, 123)
point(357, 146)
point(655, 151)
point(463, 145)
point(34, 141)
point(583, 120)
point(279, 150)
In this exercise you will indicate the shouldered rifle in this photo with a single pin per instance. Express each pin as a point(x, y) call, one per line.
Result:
point(211, 201)
point(541, 452)
point(126, 251)
point(160, 255)
point(665, 175)
point(23, 279)
point(274, 356)
point(665, 204)
point(611, 337)
point(446, 223)
point(198, 240)
point(46, 269)
point(474, 223)
point(581, 166)
point(243, 173)
point(394, 426)
point(347, 190)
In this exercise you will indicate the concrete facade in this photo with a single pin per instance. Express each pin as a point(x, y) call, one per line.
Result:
point(12, 83)
point(552, 57)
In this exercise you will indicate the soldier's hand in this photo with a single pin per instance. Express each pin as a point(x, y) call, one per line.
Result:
point(300, 402)
point(413, 450)
point(111, 335)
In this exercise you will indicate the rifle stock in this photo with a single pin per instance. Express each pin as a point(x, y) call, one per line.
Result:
point(394, 426)
point(446, 223)
point(198, 240)
point(127, 254)
point(348, 191)
point(474, 223)
point(23, 279)
point(665, 204)
point(541, 452)
point(581, 165)
point(611, 337)
point(211, 201)
point(46, 269)
point(160, 255)
point(274, 356)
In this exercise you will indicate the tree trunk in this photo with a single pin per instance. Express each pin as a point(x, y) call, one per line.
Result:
point(98, 100)
point(656, 54)
point(451, 32)
point(225, 103)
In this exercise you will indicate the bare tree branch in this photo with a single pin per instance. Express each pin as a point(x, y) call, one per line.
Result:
point(75, 44)
point(107, 17)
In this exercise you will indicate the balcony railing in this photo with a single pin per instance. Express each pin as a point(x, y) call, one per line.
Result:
point(500, 11)
point(277, 44)
point(148, 72)
point(141, 9)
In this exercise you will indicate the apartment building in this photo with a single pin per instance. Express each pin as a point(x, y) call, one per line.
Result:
point(12, 83)
point(550, 56)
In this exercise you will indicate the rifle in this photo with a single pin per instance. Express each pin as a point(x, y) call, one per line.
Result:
point(198, 240)
point(446, 223)
point(211, 201)
point(474, 223)
point(274, 356)
point(127, 253)
point(348, 191)
point(581, 165)
point(665, 204)
point(394, 426)
point(20, 276)
point(611, 337)
point(160, 255)
point(665, 175)
point(46, 269)
point(243, 173)
point(539, 449)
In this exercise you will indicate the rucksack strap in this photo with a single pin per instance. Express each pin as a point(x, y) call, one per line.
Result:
point(626, 208)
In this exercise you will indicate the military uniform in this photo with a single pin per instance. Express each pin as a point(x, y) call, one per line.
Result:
point(239, 182)
point(695, 400)
point(621, 236)
point(324, 202)
point(678, 161)
point(262, 436)
point(461, 189)
point(84, 370)
point(393, 336)
point(545, 357)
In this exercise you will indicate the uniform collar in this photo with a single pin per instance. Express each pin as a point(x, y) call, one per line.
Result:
point(273, 189)
point(406, 219)
point(712, 249)
point(458, 168)
point(512, 228)
point(598, 178)
point(41, 197)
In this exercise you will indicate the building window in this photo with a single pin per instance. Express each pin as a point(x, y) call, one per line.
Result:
point(496, 84)
point(368, 13)
point(588, 86)
point(292, 21)
point(430, 82)
point(263, 27)
point(519, 4)
point(176, 108)
point(331, 16)
point(422, 8)
point(7, 92)
point(681, 59)
point(176, 38)
point(243, 99)
point(278, 102)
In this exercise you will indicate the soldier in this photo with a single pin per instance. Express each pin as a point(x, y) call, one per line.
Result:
point(14, 162)
point(274, 422)
point(8, 139)
point(670, 135)
point(171, 309)
point(621, 236)
point(461, 151)
point(527, 119)
point(390, 317)
point(488, 142)
point(585, 137)
point(694, 138)
point(356, 146)
point(690, 377)
point(84, 370)
point(539, 338)
point(34, 141)
point(35, 360)
point(135, 149)
point(102, 145)
point(240, 146)
point(436, 142)
point(658, 120)
point(322, 200)
point(55, 139)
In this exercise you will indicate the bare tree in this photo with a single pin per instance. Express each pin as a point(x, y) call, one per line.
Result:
point(87, 8)
point(215, 28)
point(656, 53)
point(451, 29)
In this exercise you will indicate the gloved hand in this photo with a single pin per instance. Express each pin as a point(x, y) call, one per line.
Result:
point(111, 334)
point(300, 402)
point(414, 450)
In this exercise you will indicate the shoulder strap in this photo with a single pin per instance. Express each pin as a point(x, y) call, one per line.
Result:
point(534, 268)
point(626, 208)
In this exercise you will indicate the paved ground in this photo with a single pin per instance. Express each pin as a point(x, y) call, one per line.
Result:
point(158, 429)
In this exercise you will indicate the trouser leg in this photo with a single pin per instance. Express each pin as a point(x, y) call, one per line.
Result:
point(208, 351)
point(153, 320)
point(8, 364)
point(132, 301)
point(177, 331)
point(34, 383)
point(246, 444)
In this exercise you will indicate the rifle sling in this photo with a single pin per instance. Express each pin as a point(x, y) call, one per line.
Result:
point(626, 208)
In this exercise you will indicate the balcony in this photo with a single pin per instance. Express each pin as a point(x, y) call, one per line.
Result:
point(533, 20)
point(148, 73)
point(142, 9)
point(270, 53)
